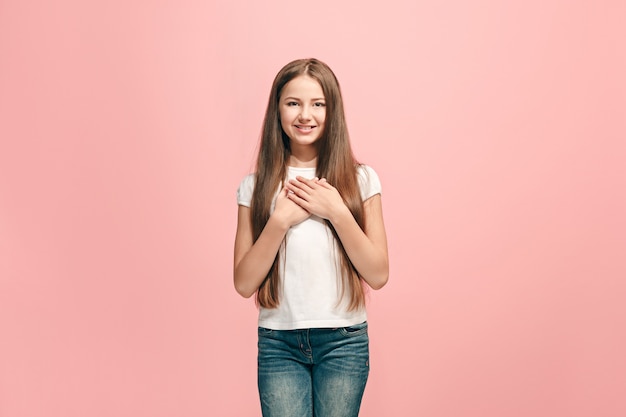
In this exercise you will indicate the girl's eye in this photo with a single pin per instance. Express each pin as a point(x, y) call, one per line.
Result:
point(292, 103)
point(319, 104)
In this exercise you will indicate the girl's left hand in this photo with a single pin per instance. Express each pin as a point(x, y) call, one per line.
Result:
point(316, 196)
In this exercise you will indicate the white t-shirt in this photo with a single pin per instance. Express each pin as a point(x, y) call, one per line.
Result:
point(310, 272)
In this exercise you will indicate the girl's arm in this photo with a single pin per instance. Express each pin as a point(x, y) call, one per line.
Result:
point(253, 260)
point(367, 249)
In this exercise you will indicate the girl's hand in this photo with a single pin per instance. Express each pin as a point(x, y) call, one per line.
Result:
point(317, 197)
point(288, 211)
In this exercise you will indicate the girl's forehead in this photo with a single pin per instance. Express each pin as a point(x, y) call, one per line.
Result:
point(303, 85)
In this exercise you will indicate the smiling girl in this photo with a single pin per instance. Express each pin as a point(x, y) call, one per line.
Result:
point(310, 238)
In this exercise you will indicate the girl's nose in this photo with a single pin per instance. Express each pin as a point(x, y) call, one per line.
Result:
point(304, 113)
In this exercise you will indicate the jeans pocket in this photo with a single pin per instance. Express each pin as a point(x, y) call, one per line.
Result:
point(354, 330)
point(265, 331)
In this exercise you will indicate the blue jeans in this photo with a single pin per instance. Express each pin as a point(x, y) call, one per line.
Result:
point(313, 372)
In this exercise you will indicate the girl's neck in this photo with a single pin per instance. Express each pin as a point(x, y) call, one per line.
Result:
point(303, 160)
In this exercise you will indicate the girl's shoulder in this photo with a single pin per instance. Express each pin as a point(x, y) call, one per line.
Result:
point(245, 190)
point(364, 170)
point(369, 182)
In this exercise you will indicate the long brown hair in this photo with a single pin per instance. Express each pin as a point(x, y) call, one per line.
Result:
point(335, 162)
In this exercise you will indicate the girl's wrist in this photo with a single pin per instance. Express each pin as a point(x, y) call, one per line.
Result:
point(278, 224)
point(340, 215)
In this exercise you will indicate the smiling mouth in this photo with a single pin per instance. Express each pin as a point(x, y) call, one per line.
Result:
point(304, 127)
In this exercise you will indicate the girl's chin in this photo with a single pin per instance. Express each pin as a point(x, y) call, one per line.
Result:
point(301, 142)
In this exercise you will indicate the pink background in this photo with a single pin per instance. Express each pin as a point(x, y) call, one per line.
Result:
point(498, 129)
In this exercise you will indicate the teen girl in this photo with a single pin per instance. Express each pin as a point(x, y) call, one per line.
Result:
point(310, 234)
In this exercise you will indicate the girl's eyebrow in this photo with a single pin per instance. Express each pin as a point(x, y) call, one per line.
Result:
point(297, 99)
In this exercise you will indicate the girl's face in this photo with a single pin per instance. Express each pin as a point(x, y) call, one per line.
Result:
point(302, 110)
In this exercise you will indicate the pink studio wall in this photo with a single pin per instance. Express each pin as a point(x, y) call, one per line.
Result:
point(498, 129)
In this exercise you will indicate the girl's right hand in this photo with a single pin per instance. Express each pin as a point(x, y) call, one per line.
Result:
point(287, 211)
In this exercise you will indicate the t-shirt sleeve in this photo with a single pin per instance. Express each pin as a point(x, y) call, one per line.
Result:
point(369, 183)
point(244, 192)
